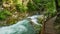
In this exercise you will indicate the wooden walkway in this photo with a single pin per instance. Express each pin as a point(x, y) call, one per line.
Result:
point(49, 28)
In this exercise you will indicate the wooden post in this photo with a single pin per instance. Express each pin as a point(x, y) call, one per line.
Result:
point(43, 29)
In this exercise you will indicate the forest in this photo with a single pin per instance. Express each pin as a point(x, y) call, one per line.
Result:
point(29, 16)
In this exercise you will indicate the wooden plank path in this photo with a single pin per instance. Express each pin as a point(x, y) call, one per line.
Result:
point(49, 26)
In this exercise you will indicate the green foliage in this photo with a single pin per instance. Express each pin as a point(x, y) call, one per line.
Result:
point(50, 14)
point(4, 14)
point(21, 8)
point(59, 2)
point(34, 5)
point(31, 7)
point(51, 8)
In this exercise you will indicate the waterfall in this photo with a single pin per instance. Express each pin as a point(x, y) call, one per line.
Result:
point(22, 27)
